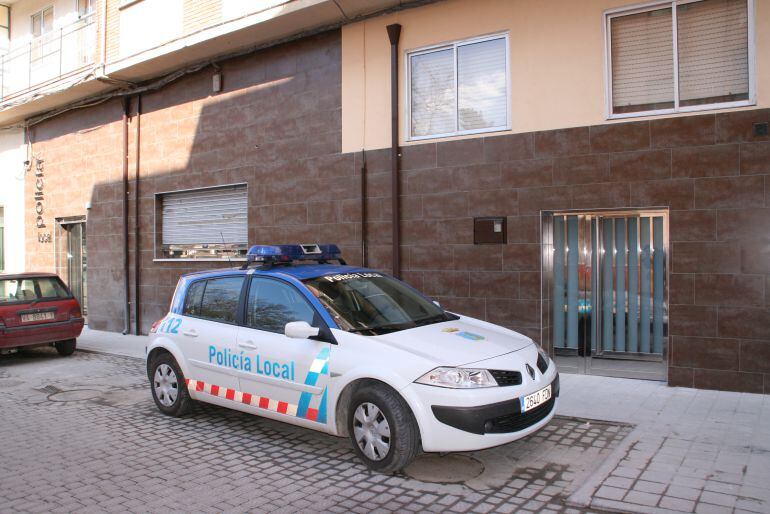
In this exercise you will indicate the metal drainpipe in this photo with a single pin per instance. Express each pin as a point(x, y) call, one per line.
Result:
point(363, 208)
point(126, 280)
point(394, 33)
point(137, 255)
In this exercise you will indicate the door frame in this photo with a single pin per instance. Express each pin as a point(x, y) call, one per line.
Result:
point(583, 364)
point(60, 245)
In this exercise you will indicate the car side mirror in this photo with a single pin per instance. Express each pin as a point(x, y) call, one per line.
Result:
point(437, 304)
point(300, 330)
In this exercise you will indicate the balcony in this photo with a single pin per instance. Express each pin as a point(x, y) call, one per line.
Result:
point(48, 58)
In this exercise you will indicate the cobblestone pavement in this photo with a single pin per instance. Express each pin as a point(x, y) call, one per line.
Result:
point(82, 434)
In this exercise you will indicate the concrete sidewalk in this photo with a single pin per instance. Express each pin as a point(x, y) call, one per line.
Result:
point(113, 343)
point(690, 451)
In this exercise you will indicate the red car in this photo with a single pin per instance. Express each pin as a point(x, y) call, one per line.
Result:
point(37, 309)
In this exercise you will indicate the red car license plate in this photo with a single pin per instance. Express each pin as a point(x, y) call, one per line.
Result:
point(37, 316)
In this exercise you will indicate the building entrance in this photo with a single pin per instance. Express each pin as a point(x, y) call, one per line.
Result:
point(72, 262)
point(605, 283)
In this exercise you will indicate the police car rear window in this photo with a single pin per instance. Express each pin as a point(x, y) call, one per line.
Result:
point(192, 302)
point(215, 299)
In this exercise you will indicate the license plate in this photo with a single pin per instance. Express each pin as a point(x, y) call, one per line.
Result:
point(37, 316)
point(531, 401)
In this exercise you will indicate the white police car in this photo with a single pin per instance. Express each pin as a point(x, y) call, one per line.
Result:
point(348, 351)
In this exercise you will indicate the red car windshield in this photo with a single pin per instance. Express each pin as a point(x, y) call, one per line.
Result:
point(32, 289)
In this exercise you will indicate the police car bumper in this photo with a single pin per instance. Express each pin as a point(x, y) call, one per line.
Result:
point(465, 420)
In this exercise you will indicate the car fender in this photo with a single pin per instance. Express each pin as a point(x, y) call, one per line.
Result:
point(389, 378)
point(170, 346)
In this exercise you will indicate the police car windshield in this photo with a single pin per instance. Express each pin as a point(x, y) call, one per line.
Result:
point(372, 303)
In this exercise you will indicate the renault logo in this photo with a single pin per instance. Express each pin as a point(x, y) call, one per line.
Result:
point(530, 371)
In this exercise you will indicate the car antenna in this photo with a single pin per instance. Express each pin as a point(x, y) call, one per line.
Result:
point(230, 262)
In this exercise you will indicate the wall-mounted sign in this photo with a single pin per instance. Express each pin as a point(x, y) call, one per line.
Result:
point(43, 236)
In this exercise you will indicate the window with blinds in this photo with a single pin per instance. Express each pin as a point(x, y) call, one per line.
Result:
point(204, 223)
point(679, 56)
point(461, 88)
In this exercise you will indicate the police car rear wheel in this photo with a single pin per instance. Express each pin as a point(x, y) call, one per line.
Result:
point(168, 386)
point(383, 430)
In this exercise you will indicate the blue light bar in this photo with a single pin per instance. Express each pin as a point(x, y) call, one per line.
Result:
point(289, 253)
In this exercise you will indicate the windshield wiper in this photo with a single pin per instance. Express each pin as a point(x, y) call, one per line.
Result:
point(383, 329)
point(438, 318)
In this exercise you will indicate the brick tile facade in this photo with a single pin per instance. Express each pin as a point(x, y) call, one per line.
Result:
point(695, 166)
point(277, 127)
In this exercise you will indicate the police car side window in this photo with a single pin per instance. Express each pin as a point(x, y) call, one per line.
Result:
point(272, 304)
point(220, 299)
point(192, 300)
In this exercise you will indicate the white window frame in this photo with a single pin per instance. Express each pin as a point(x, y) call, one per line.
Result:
point(651, 6)
point(85, 14)
point(41, 13)
point(453, 45)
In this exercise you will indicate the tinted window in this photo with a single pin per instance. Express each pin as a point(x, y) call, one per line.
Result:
point(272, 304)
point(220, 299)
point(192, 301)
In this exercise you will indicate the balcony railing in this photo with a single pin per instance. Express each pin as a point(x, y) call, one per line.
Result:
point(48, 58)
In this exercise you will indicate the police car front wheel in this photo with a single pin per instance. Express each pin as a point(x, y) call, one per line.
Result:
point(383, 429)
point(168, 386)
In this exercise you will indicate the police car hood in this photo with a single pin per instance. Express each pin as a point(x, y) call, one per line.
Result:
point(455, 343)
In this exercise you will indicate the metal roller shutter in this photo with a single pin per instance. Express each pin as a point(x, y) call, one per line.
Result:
point(206, 216)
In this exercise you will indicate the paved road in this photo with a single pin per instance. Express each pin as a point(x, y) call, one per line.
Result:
point(82, 434)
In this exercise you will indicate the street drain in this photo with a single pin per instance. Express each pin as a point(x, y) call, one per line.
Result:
point(74, 395)
point(444, 469)
point(49, 389)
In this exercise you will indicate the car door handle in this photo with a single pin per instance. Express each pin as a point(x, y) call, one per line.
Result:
point(248, 345)
point(190, 333)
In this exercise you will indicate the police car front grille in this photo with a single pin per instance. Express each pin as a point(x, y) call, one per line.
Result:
point(542, 364)
point(505, 377)
point(518, 421)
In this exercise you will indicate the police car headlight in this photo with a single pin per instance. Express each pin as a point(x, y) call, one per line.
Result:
point(458, 378)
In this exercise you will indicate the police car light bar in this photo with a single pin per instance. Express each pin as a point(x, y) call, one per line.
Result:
point(277, 254)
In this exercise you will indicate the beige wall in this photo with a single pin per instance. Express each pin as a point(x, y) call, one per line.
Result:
point(556, 61)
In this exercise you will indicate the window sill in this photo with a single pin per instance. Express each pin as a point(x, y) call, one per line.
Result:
point(460, 134)
point(683, 110)
point(233, 259)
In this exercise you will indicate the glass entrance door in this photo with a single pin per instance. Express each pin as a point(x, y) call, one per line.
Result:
point(605, 284)
point(72, 260)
